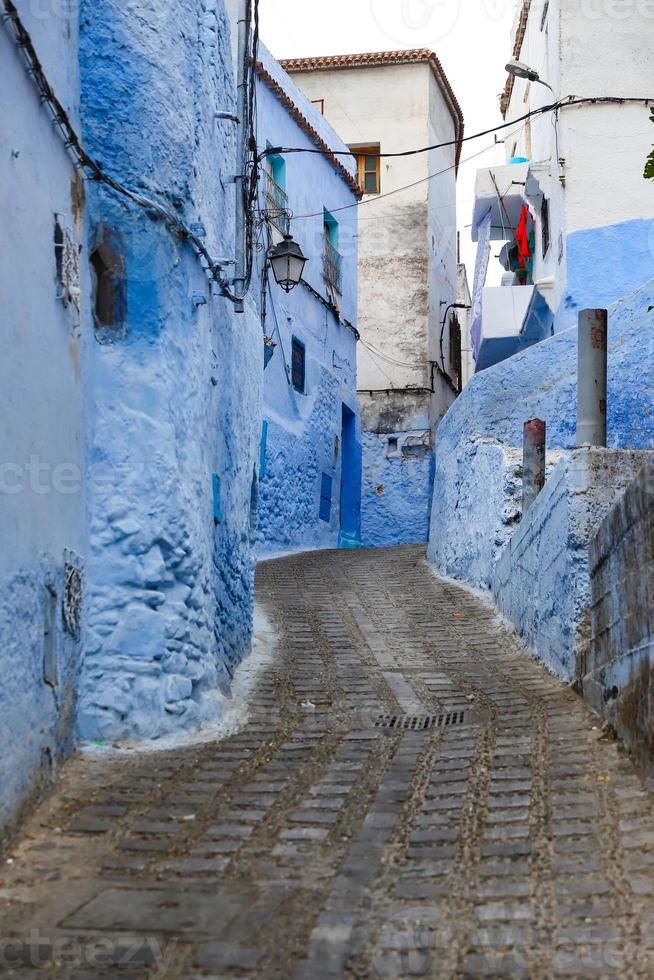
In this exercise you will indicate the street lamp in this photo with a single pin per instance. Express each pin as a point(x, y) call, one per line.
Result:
point(287, 261)
point(520, 70)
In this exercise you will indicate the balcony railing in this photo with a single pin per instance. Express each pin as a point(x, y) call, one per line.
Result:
point(276, 203)
point(332, 263)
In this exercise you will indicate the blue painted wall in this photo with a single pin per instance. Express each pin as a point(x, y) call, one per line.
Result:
point(305, 434)
point(42, 352)
point(397, 489)
point(605, 264)
point(174, 393)
point(476, 501)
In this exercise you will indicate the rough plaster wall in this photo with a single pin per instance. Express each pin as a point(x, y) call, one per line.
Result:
point(617, 677)
point(441, 244)
point(407, 271)
point(397, 489)
point(397, 478)
point(393, 237)
point(541, 581)
point(539, 382)
point(37, 718)
point(176, 391)
point(41, 429)
point(290, 488)
point(303, 426)
point(487, 485)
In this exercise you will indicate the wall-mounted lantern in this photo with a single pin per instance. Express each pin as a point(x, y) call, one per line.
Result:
point(287, 261)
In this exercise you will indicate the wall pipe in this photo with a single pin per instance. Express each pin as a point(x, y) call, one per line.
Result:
point(592, 370)
point(533, 461)
point(241, 153)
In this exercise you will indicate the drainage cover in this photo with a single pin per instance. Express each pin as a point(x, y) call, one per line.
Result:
point(421, 722)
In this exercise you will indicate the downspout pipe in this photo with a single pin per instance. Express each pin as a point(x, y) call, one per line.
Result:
point(241, 152)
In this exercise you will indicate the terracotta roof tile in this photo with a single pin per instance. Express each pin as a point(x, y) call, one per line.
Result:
point(304, 124)
point(375, 58)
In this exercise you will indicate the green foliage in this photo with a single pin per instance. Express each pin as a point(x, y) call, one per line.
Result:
point(649, 166)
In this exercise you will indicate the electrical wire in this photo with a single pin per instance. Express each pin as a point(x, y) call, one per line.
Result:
point(279, 334)
point(568, 101)
point(397, 190)
point(380, 366)
point(85, 162)
point(392, 360)
point(251, 181)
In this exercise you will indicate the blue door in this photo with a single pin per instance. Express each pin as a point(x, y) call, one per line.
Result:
point(350, 481)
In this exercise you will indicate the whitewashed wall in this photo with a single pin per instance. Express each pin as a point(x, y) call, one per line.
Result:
point(596, 48)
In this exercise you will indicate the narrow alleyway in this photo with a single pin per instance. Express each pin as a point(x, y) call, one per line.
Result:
point(336, 837)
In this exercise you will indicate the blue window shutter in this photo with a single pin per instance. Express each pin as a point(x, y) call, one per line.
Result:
point(217, 503)
point(298, 365)
point(326, 498)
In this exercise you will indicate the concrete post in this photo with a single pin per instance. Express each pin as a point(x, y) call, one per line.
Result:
point(533, 462)
point(592, 378)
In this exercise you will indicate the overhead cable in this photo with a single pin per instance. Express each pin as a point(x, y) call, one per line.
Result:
point(570, 100)
point(85, 162)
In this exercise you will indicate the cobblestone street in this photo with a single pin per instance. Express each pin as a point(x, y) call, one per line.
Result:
point(412, 797)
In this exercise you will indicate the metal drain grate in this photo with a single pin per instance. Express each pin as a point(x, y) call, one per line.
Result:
point(416, 723)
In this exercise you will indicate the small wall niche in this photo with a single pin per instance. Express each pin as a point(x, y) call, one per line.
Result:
point(107, 262)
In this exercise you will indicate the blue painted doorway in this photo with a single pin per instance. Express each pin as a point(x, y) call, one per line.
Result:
point(350, 536)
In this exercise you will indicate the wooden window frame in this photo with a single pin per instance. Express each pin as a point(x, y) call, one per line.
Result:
point(361, 153)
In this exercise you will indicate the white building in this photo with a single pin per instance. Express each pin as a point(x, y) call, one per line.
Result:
point(380, 104)
point(577, 177)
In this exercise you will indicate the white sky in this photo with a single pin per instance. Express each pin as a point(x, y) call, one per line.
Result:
point(471, 38)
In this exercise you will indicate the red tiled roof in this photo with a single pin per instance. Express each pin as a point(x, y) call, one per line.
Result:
point(304, 124)
point(375, 58)
point(505, 98)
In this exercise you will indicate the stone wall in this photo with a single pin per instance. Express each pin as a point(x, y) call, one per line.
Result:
point(541, 581)
point(618, 675)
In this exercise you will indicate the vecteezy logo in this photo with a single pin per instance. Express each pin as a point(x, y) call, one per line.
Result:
point(415, 23)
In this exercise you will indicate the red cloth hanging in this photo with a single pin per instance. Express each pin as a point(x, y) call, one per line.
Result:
point(522, 239)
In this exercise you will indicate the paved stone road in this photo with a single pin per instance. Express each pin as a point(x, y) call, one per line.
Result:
point(511, 842)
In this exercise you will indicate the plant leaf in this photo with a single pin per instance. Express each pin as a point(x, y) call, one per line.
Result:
point(649, 167)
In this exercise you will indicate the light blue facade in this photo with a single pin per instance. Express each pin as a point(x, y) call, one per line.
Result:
point(476, 503)
point(42, 354)
point(129, 448)
point(603, 265)
point(309, 491)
